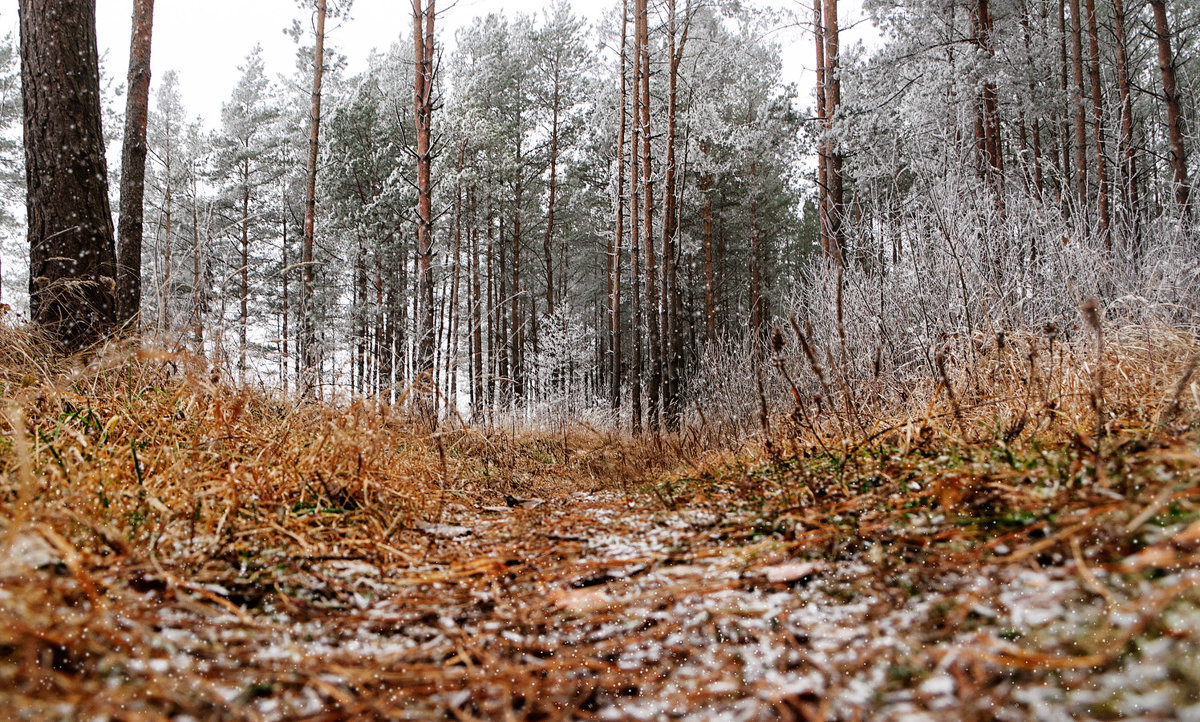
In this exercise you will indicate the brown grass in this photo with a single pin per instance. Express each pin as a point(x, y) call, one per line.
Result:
point(140, 476)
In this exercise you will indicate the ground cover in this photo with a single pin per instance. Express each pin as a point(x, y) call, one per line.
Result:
point(175, 548)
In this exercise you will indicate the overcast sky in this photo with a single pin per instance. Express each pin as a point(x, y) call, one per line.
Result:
point(206, 40)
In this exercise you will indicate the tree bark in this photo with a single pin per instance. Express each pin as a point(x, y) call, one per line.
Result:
point(635, 222)
point(133, 165)
point(615, 372)
point(710, 295)
point(823, 229)
point(244, 318)
point(423, 49)
point(198, 295)
point(653, 301)
point(1098, 122)
point(72, 260)
point(1064, 125)
point(549, 234)
point(477, 397)
point(308, 339)
point(1079, 92)
point(833, 99)
point(1166, 65)
point(1126, 148)
point(672, 306)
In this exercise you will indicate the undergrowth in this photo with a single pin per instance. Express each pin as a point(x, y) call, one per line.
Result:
point(139, 475)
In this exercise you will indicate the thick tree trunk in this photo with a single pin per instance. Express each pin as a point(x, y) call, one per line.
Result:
point(133, 165)
point(308, 338)
point(1166, 64)
point(72, 262)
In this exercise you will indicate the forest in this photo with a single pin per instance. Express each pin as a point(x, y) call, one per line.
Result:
point(565, 363)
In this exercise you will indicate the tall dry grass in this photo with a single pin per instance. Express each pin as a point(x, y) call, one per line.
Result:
point(136, 448)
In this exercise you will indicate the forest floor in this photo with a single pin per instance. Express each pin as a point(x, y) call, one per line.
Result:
point(172, 549)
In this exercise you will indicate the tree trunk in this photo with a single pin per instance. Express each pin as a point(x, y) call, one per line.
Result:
point(423, 49)
point(833, 99)
point(1166, 64)
point(308, 339)
point(823, 227)
point(245, 271)
point(546, 240)
point(990, 117)
point(1064, 126)
point(710, 295)
point(635, 222)
point(672, 307)
point(198, 295)
point(1127, 152)
point(72, 264)
point(758, 315)
point(477, 397)
point(615, 372)
point(1098, 122)
point(516, 331)
point(284, 281)
point(1079, 92)
point(133, 165)
point(653, 302)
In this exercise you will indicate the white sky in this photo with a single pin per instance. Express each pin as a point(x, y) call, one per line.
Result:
point(206, 40)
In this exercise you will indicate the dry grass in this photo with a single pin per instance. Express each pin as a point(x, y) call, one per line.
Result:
point(199, 550)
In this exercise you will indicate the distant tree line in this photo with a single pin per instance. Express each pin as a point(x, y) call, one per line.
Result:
point(562, 217)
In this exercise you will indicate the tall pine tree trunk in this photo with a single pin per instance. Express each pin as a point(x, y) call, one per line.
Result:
point(615, 372)
point(1166, 65)
point(824, 229)
point(549, 233)
point(672, 306)
point(635, 224)
point(72, 263)
point(653, 301)
point(1129, 188)
point(244, 318)
point(423, 49)
point(1098, 123)
point(133, 165)
point(710, 291)
point(833, 99)
point(1079, 92)
point(308, 336)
